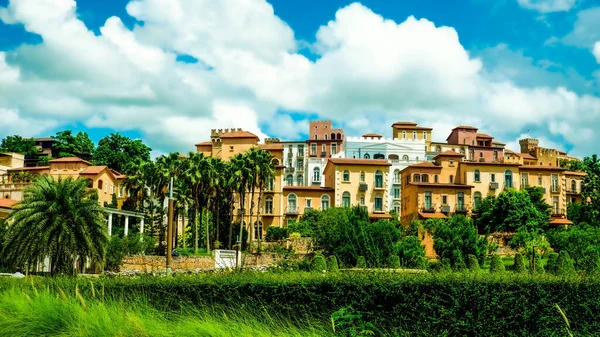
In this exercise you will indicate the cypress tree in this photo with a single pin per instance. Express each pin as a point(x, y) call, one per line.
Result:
point(591, 261)
point(361, 262)
point(319, 263)
point(332, 264)
point(496, 264)
point(394, 261)
point(519, 265)
point(551, 262)
point(472, 263)
point(564, 264)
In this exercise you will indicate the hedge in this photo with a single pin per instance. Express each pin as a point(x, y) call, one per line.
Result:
point(457, 304)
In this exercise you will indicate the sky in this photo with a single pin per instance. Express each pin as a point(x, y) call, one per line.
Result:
point(169, 71)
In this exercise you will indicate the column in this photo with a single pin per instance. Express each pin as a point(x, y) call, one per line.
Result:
point(126, 225)
point(142, 227)
point(110, 224)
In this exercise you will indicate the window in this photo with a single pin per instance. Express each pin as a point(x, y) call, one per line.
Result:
point(417, 178)
point(405, 158)
point(346, 176)
point(332, 136)
point(451, 179)
point(472, 154)
point(121, 190)
point(473, 142)
point(289, 180)
point(495, 155)
point(269, 205)
point(435, 178)
point(309, 203)
point(379, 156)
point(291, 202)
point(444, 199)
point(316, 137)
point(362, 176)
point(313, 149)
point(112, 189)
point(451, 162)
point(362, 199)
point(524, 180)
point(477, 199)
point(396, 176)
point(323, 148)
point(299, 180)
point(508, 179)
point(367, 156)
point(396, 192)
point(462, 151)
point(427, 205)
point(316, 174)
point(573, 186)
point(275, 162)
point(554, 205)
point(493, 177)
point(231, 149)
point(299, 164)
point(333, 148)
point(378, 179)
point(425, 178)
point(258, 230)
point(397, 207)
point(438, 149)
point(324, 202)
point(346, 199)
point(540, 180)
point(414, 135)
point(477, 175)
point(554, 183)
point(480, 154)
point(300, 149)
point(100, 183)
point(403, 134)
point(424, 135)
point(326, 137)
point(378, 203)
point(461, 201)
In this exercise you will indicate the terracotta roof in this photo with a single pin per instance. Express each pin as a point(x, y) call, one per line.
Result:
point(541, 167)
point(93, 170)
point(509, 151)
point(43, 139)
point(432, 215)
point(239, 134)
point(272, 147)
point(117, 174)
point(525, 155)
point(70, 160)
point(425, 164)
point(572, 173)
point(209, 143)
point(372, 135)
point(308, 188)
point(34, 168)
point(471, 162)
point(368, 162)
point(411, 127)
point(404, 124)
point(498, 143)
point(561, 222)
point(465, 127)
point(449, 153)
point(450, 185)
point(380, 216)
point(7, 203)
point(483, 135)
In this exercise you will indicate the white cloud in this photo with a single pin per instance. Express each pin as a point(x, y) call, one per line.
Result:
point(596, 51)
point(548, 6)
point(586, 29)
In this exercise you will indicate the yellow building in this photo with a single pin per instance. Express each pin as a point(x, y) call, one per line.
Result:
point(488, 178)
point(10, 160)
point(300, 199)
point(574, 182)
point(410, 130)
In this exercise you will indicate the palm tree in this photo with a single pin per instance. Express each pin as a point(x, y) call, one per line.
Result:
point(265, 173)
point(253, 157)
point(195, 175)
point(60, 219)
point(240, 177)
point(183, 201)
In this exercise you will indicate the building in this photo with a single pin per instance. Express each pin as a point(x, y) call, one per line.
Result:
point(488, 178)
point(543, 156)
point(6, 206)
point(44, 147)
point(323, 143)
point(9, 161)
point(574, 181)
point(295, 161)
point(361, 182)
point(300, 199)
point(474, 146)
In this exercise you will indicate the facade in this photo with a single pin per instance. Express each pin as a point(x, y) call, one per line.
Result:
point(574, 181)
point(300, 199)
point(324, 142)
point(44, 147)
point(488, 179)
point(543, 156)
point(474, 146)
point(10, 161)
point(295, 161)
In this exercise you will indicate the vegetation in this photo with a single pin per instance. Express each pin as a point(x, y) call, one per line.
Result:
point(59, 219)
point(496, 264)
point(319, 264)
point(361, 262)
point(519, 265)
point(332, 264)
point(18, 144)
point(564, 264)
point(275, 233)
point(68, 145)
point(121, 153)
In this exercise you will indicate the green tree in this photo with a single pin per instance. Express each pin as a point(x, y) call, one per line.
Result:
point(361, 262)
point(512, 210)
point(583, 212)
point(496, 264)
point(472, 263)
point(551, 262)
point(410, 252)
point(319, 264)
point(58, 219)
point(575, 240)
point(538, 199)
point(457, 237)
point(18, 144)
point(332, 264)
point(121, 153)
point(519, 264)
point(591, 261)
point(68, 145)
point(44, 161)
point(564, 264)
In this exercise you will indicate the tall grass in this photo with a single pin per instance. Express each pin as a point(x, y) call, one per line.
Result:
point(46, 312)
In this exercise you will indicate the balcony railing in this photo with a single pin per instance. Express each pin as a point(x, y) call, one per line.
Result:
point(364, 208)
point(289, 170)
point(396, 182)
point(428, 208)
point(555, 189)
point(308, 209)
point(558, 212)
point(493, 186)
point(461, 209)
point(379, 186)
point(446, 209)
point(573, 191)
point(363, 187)
point(291, 210)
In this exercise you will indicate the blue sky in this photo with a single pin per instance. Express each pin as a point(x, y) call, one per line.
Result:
point(168, 74)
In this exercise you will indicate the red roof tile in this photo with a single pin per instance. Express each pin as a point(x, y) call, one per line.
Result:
point(371, 135)
point(425, 164)
point(432, 215)
point(561, 222)
point(541, 167)
point(34, 168)
point(404, 124)
point(70, 160)
point(572, 173)
point(209, 143)
point(7, 203)
point(465, 127)
point(93, 170)
point(483, 135)
point(272, 147)
point(449, 153)
point(367, 162)
point(239, 134)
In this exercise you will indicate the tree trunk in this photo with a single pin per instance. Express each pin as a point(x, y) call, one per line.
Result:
point(242, 200)
point(258, 219)
point(250, 224)
point(196, 220)
point(207, 233)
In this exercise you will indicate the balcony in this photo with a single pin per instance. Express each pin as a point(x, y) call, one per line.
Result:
point(428, 208)
point(396, 182)
point(460, 209)
point(445, 209)
point(558, 212)
point(363, 187)
point(493, 186)
point(555, 189)
point(573, 191)
point(300, 154)
point(291, 210)
point(300, 169)
point(379, 186)
point(268, 212)
point(289, 170)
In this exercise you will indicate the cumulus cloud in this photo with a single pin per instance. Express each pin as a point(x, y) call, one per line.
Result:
point(596, 51)
point(548, 6)
point(368, 73)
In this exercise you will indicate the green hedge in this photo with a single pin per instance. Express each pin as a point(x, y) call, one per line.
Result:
point(459, 304)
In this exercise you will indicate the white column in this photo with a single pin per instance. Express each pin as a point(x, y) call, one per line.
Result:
point(142, 226)
point(126, 225)
point(110, 224)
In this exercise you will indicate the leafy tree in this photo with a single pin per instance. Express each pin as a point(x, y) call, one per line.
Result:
point(457, 237)
point(58, 219)
point(575, 240)
point(394, 262)
point(564, 264)
point(591, 261)
point(537, 197)
point(410, 252)
point(18, 144)
point(361, 262)
point(319, 264)
point(512, 210)
point(496, 264)
point(3, 232)
point(275, 233)
point(68, 145)
point(44, 161)
point(332, 264)
point(472, 263)
point(121, 153)
point(518, 265)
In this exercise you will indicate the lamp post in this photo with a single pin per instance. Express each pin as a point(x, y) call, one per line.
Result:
point(170, 229)
point(237, 248)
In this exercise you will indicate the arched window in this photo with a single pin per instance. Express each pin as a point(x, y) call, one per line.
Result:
point(339, 136)
point(573, 186)
point(480, 154)
point(508, 179)
point(292, 203)
point(326, 136)
point(316, 175)
point(393, 157)
point(289, 180)
point(451, 179)
point(378, 156)
point(275, 162)
point(417, 178)
point(403, 134)
point(405, 158)
point(477, 200)
point(397, 207)
point(346, 199)
point(100, 184)
point(332, 135)
point(367, 156)
point(346, 176)
point(362, 199)
point(425, 178)
point(378, 179)
point(258, 230)
point(435, 178)
point(462, 151)
point(270, 184)
point(438, 149)
point(299, 180)
point(324, 202)
point(269, 205)
point(396, 176)
point(378, 203)
point(476, 175)
point(316, 137)
point(362, 176)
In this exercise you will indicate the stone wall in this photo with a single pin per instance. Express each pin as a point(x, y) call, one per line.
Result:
point(149, 263)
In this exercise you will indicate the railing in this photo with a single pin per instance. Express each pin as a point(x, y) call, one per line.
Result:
point(363, 187)
point(378, 186)
point(291, 210)
point(396, 181)
point(428, 208)
point(493, 186)
point(555, 189)
point(573, 191)
point(364, 208)
point(289, 170)
point(558, 212)
point(460, 209)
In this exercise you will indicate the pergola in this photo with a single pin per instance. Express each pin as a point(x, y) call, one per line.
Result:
point(127, 214)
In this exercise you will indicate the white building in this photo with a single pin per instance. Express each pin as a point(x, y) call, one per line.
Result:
point(294, 159)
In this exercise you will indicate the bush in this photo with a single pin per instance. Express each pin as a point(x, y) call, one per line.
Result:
point(496, 264)
point(332, 264)
point(539, 267)
point(551, 262)
point(472, 263)
point(591, 261)
point(361, 262)
point(394, 262)
point(518, 265)
point(275, 233)
point(459, 261)
point(409, 251)
point(319, 263)
point(564, 264)
point(455, 238)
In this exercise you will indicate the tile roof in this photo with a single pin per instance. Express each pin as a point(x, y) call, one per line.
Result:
point(368, 162)
point(404, 124)
point(70, 160)
point(273, 147)
point(449, 185)
point(34, 168)
point(372, 135)
point(7, 203)
point(208, 143)
point(525, 156)
point(465, 127)
point(561, 222)
point(239, 134)
point(92, 170)
point(573, 173)
point(432, 215)
point(483, 135)
point(425, 164)
point(449, 153)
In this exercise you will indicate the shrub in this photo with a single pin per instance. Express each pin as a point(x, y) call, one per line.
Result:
point(551, 262)
point(591, 261)
point(275, 233)
point(459, 261)
point(394, 262)
point(496, 264)
point(409, 251)
point(319, 263)
point(539, 267)
point(472, 263)
point(564, 264)
point(518, 265)
point(332, 264)
point(456, 238)
point(361, 262)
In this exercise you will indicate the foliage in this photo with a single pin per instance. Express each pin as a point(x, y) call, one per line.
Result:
point(581, 213)
point(456, 238)
point(121, 153)
point(473, 263)
point(512, 210)
point(496, 264)
point(590, 263)
point(119, 247)
point(302, 227)
point(44, 161)
point(564, 264)
point(394, 262)
point(319, 264)
point(3, 232)
point(575, 240)
point(18, 144)
point(332, 264)
point(410, 252)
point(361, 262)
point(551, 262)
point(519, 264)
point(276, 233)
point(68, 145)
point(56, 219)
point(536, 262)
point(350, 323)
